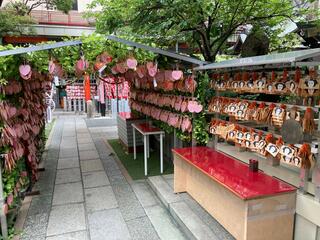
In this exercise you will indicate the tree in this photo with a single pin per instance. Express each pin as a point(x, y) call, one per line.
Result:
point(24, 7)
point(204, 24)
point(13, 25)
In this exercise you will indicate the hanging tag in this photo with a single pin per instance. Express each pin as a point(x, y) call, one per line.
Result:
point(102, 69)
point(155, 84)
point(56, 80)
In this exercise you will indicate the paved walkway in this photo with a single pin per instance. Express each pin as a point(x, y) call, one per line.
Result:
point(84, 194)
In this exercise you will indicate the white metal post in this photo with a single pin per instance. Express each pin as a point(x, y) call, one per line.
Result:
point(145, 155)
point(64, 103)
point(3, 218)
point(161, 152)
point(134, 143)
point(79, 105)
point(69, 105)
point(148, 145)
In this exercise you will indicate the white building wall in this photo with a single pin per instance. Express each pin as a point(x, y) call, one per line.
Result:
point(82, 5)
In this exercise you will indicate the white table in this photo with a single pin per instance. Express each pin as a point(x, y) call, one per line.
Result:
point(146, 130)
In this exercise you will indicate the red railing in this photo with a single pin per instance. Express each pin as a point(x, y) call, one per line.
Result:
point(74, 18)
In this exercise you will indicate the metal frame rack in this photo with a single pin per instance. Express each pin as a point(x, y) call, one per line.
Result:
point(43, 47)
point(288, 60)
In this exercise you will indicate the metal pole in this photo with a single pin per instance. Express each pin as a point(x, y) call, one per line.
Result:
point(3, 218)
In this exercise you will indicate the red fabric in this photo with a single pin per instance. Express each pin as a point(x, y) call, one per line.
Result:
point(111, 89)
point(87, 94)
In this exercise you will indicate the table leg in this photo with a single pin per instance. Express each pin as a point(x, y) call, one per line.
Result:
point(148, 146)
point(145, 155)
point(134, 143)
point(161, 153)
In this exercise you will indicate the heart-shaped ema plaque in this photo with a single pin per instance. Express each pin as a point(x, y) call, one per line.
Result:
point(132, 63)
point(177, 75)
point(25, 71)
point(51, 67)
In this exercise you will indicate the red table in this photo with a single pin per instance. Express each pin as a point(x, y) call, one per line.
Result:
point(146, 130)
point(127, 116)
point(250, 205)
point(233, 174)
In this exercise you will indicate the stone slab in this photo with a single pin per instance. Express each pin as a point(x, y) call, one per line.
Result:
point(129, 205)
point(68, 153)
point(108, 224)
point(95, 179)
point(100, 198)
point(163, 190)
point(68, 193)
point(163, 223)
point(145, 194)
point(86, 147)
point(82, 235)
point(91, 166)
point(85, 140)
point(213, 224)
point(40, 204)
point(193, 226)
point(69, 175)
point(88, 155)
point(142, 229)
point(66, 218)
point(35, 225)
point(68, 163)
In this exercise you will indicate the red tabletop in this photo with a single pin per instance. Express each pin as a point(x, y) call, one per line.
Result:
point(233, 174)
point(146, 128)
point(127, 115)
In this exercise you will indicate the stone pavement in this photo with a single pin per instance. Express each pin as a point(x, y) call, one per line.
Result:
point(84, 194)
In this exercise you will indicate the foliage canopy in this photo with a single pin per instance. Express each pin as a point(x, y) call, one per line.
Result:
point(205, 25)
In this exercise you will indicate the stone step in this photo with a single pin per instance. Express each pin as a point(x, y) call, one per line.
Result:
point(194, 224)
point(163, 190)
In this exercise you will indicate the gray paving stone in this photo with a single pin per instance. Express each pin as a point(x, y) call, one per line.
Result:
point(88, 155)
point(85, 140)
point(40, 204)
point(100, 198)
point(26, 237)
point(83, 135)
point(68, 175)
point(71, 133)
point(95, 179)
point(142, 229)
point(117, 179)
point(108, 224)
point(91, 166)
point(145, 194)
point(128, 203)
point(68, 153)
point(163, 190)
point(66, 218)
point(35, 225)
point(82, 235)
point(191, 222)
point(213, 224)
point(163, 224)
point(68, 163)
point(67, 139)
point(44, 188)
point(86, 147)
point(68, 193)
